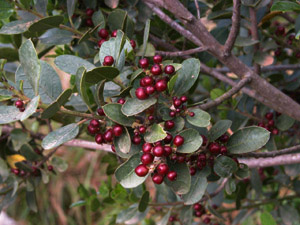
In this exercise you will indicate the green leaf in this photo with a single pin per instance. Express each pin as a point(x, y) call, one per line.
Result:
point(284, 122)
point(187, 76)
point(289, 215)
point(136, 74)
point(248, 139)
point(155, 133)
point(31, 200)
point(219, 129)
point(186, 215)
point(171, 83)
point(15, 27)
point(46, 23)
point(200, 119)
point(9, 114)
point(123, 143)
point(83, 87)
point(4, 170)
point(79, 203)
point(285, 6)
point(215, 93)
point(225, 166)
point(266, 218)
point(56, 36)
point(134, 106)
point(10, 54)
point(192, 141)
point(245, 41)
point(60, 136)
point(71, 63)
point(165, 219)
point(30, 64)
point(28, 152)
point(98, 19)
point(6, 9)
point(98, 74)
point(220, 14)
point(179, 125)
point(243, 171)
point(59, 164)
point(182, 183)
point(230, 186)
point(126, 175)
point(18, 138)
point(113, 112)
point(112, 3)
point(71, 7)
point(30, 108)
point(143, 204)
point(116, 19)
point(198, 187)
point(5, 97)
point(146, 36)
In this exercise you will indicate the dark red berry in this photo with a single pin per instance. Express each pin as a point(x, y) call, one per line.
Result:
point(193, 170)
point(197, 207)
point(223, 150)
point(22, 173)
point(180, 158)
point(142, 129)
point(121, 101)
point(15, 171)
point(89, 12)
point(99, 139)
point(141, 93)
point(183, 98)
point(100, 42)
point(214, 148)
point(22, 109)
point(158, 151)
point(269, 116)
point(168, 138)
point(94, 123)
point(206, 220)
point(277, 52)
point(141, 170)
point(144, 63)
point(178, 110)
point(177, 103)
point(169, 69)
point(162, 168)
point(136, 140)
point(103, 33)
point(113, 148)
point(147, 147)
point(157, 178)
point(271, 123)
point(146, 81)
point(100, 112)
point(280, 31)
point(298, 55)
point(50, 168)
point(108, 60)
point(292, 37)
point(168, 150)
point(89, 22)
point(150, 90)
point(261, 124)
point(161, 85)
point(202, 157)
point(150, 118)
point(172, 175)
point(157, 59)
point(275, 131)
point(92, 130)
point(169, 124)
point(108, 135)
point(156, 69)
point(198, 213)
point(118, 130)
point(114, 33)
point(178, 140)
point(147, 158)
point(172, 219)
point(172, 114)
point(19, 104)
point(192, 114)
point(224, 138)
point(133, 44)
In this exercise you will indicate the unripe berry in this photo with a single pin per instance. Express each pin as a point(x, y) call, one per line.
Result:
point(156, 70)
point(147, 147)
point(99, 139)
point(114, 33)
point(161, 85)
point(158, 151)
point(144, 63)
point(141, 170)
point(168, 138)
point(169, 124)
point(147, 158)
point(157, 179)
point(178, 140)
point(214, 148)
point(89, 12)
point(118, 130)
point(109, 135)
point(100, 42)
point(169, 69)
point(141, 93)
point(94, 123)
point(103, 33)
point(157, 59)
point(172, 175)
point(162, 168)
point(168, 150)
point(19, 104)
point(136, 140)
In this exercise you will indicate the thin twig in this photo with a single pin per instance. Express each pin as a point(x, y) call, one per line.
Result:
point(267, 68)
point(254, 33)
point(226, 95)
point(234, 31)
point(46, 158)
point(182, 53)
point(198, 9)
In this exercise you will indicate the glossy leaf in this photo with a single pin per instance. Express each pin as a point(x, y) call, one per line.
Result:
point(59, 164)
point(155, 133)
point(219, 129)
point(248, 139)
point(192, 141)
point(134, 106)
point(200, 119)
point(224, 166)
point(113, 112)
point(60, 136)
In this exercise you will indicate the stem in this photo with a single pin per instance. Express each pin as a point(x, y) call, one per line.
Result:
point(182, 53)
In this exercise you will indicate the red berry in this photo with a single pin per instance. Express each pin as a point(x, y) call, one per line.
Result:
point(168, 138)
point(89, 22)
point(280, 30)
point(141, 170)
point(99, 139)
point(172, 219)
point(292, 37)
point(108, 135)
point(172, 114)
point(157, 59)
point(89, 12)
point(172, 175)
point(19, 104)
point(162, 168)
point(142, 129)
point(158, 151)
point(150, 90)
point(178, 110)
point(133, 44)
point(118, 130)
point(271, 123)
point(178, 140)
point(100, 42)
point(114, 33)
point(168, 150)
point(92, 130)
point(147, 158)
point(157, 179)
point(198, 213)
point(261, 124)
point(169, 124)
point(150, 118)
point(223, 150)
point(108, 60)
point(22, 173)
point(201, 157)
point(144, 63)
point(22, 109)
point(161, 85)
point(269, 116)
point(100, 112)
point(275, 131)
point(121, 101)
point(136, 140)
point(94, 123)
point(197, 207)
point(192, 114)
point(224, 138)
point(156, 69)
point(147, 147)
point(15, 171)
point(146, 81)
point(169, 69)
point(50, 168)
point(183, 98)
point(103, 33)
point(177, 103)
point(193, 170)
point(206, 220)
point(214, 148)
point(298, 55)
point(113, 148)
point(277, 52)
point(141, 93)
point(180, 158)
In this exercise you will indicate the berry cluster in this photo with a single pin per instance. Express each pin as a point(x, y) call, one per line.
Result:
point(89, 13)
point(20, 105)
point(269, 124)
